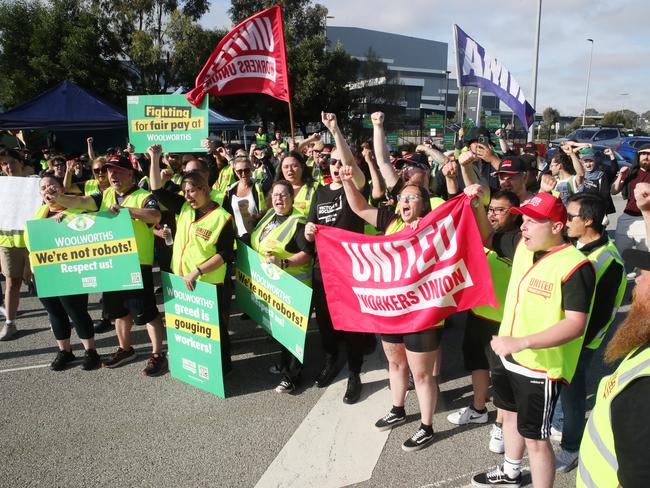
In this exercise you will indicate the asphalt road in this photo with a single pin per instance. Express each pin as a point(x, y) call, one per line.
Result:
point(119, 428)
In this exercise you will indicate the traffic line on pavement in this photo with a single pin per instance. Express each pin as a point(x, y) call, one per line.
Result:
point(336, 444)
point(22, 368)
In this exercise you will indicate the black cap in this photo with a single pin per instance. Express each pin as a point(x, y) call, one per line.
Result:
point(477, 132)
point(416, 159)
point(638, 259)
point(530, 148)
point(120, 162)
point(512, 165)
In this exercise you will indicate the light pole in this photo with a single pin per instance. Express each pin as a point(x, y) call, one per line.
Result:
point(591, 57)
point(444, 127)
point(539, 22)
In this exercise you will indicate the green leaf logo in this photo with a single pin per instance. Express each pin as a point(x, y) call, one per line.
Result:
point(81, 223)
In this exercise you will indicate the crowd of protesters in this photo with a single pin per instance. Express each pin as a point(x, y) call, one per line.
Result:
point(557, 276)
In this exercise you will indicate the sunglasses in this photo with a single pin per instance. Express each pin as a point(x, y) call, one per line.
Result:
point(102, 170)
point(243, 171)
point(334, 162)
point(408, 198)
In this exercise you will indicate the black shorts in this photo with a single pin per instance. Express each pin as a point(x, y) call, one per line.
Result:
point(141, 304)
point(529, 393)
point(476, 341)
point(424, 341)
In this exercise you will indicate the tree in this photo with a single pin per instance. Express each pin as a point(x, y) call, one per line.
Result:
point(625, 118)
point(550, 117)
point(42, 44)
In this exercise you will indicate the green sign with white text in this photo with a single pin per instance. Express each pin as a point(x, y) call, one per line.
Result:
point(168, 120)
point(273, 299)
point(392, 138)
point(493, 121)
point(193, 341)
point(434, 121)
point(84, 253)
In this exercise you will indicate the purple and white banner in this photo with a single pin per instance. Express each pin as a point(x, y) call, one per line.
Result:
point(476, 67)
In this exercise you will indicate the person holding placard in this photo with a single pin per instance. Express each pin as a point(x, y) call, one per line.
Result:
point(129, 307)
point(69, 308)
point(13, 252)
point(280, 237)
point(203, 244)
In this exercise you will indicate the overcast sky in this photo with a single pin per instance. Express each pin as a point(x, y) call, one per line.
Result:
point(506, 29)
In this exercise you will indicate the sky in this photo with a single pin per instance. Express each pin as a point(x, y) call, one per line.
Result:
point(620, 73)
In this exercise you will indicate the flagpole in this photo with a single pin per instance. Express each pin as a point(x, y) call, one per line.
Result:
point(293, 137)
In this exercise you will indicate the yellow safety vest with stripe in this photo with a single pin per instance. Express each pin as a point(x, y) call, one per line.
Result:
point(602, 258)
point(598, 466)
point(302, 199)
point(225, 179)
point(500, 270)
point(196, 240)
point(143, 232)
point(534, 303)
point(277, 239)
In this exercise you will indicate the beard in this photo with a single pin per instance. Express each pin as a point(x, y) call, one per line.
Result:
point(633, 332)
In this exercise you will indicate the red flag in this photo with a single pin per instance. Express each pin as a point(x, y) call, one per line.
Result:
point(409, 281)
point(250, 59)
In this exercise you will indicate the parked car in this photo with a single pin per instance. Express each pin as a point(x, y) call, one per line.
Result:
point(630, 145)
point(603, 136)
point(599, 151)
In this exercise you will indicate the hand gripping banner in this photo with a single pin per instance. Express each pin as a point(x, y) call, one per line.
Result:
point(408, 281)
point(251, 58)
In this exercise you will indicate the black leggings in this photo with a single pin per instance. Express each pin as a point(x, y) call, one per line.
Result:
point(355, 342)
point(62, 310)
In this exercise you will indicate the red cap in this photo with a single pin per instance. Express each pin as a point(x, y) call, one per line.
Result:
point(543, 206)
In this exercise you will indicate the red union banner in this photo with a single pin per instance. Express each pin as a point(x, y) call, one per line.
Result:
point(250, 59)
point(409, 281)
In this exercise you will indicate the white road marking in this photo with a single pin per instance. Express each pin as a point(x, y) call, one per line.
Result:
point(336, 444)
point(22, 368)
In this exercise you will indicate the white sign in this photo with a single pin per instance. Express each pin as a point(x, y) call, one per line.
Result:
point(19, 200)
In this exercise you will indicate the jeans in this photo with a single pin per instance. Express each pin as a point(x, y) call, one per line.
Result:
point(569, 416)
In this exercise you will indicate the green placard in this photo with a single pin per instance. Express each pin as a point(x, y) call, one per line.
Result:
point(434, 121)
point(193, 341)
point(493, 121)
point(169, 120)
point(274, 299)
point(366, 122)
point(392, 138)
point(84, 253)
point(448, 141)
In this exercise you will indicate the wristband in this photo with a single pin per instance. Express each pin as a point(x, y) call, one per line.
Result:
point(284, 264)
point(199, 270)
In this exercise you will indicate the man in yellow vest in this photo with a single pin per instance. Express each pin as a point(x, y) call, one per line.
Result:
point(618, 432)
point(539, 341)
point(130, 306)
point(585, 214)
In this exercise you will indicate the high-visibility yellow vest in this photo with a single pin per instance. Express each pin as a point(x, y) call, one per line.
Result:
point(500, 269)
point(302, 199)
point(602, 258)
point(143, 232)
point(196, 241)
point(90, 187)
point(598, 466)
point(225, 179)
point(534, 303)
point(275, 242)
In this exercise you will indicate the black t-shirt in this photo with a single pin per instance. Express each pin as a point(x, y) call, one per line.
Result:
point(330, 207)
point(630, 411)
point(385, 216)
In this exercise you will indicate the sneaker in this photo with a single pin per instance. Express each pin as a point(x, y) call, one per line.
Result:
point(156, 365)
point(119, 357)
point(496, 477)
point(8, 331)
point(565, 460)
point(468, 415)
point(62, 359)
point(389, 421)
point(421, 439)
point(556, 435)
point(353, 391)
point(496, 440)
point(285, 386)
point(103, 325)
point(327, 374)
point(91, 360)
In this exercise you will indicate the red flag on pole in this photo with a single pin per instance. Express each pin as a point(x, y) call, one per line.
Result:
point(250, 59)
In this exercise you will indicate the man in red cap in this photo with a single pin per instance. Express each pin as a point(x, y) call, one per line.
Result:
point(540, 338)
